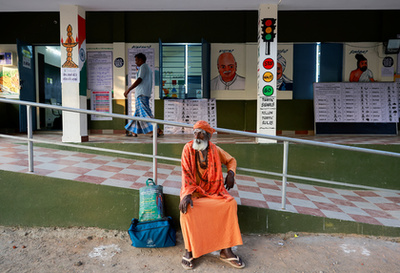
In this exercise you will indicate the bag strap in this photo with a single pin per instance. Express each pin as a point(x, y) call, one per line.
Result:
point(134, 222)
point(150, 181)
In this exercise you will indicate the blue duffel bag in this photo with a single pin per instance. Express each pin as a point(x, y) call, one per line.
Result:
point(158, 233)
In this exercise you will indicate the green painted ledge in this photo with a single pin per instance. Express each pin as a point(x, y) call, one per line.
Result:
point(33, 200)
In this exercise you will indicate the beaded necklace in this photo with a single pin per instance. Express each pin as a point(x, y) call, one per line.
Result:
point(203, 163)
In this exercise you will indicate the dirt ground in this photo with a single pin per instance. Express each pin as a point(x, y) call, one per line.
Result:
point(97, 250)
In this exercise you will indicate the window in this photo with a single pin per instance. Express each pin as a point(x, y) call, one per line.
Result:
point(184, 71)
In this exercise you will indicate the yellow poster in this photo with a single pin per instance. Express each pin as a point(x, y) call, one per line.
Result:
point(9, 82)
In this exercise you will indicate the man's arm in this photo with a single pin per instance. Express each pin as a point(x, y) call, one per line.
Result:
point(352, 77)
point(230, 163)
point(133, 86)
point(371, 76)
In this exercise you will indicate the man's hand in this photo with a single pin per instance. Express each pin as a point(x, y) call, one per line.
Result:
point(230, 180)
point(185, 202)
point(127, 92)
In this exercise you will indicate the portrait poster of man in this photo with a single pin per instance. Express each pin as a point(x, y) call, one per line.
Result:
point(361, 62)
point(284, 71)
point(228, 67)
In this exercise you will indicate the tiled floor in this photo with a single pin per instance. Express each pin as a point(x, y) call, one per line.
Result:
point(373, 207)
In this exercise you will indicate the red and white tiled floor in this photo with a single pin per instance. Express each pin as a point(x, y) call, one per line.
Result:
point(373, 207)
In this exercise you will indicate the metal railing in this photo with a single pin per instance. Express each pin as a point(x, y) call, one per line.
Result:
point(155, 157)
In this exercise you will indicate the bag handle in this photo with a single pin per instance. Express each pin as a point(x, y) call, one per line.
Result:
point(150, 181)
point(134, 222)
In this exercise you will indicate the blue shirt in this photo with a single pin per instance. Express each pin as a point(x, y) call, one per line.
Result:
point(146, 86)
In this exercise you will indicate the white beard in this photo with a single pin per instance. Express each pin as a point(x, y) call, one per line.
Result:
point(199, 144)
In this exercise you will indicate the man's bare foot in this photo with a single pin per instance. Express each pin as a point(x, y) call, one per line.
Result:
point(187, 260)
point(130, 134)
point(226, 255)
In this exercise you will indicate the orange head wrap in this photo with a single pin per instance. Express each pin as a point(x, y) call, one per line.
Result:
point(201, 124)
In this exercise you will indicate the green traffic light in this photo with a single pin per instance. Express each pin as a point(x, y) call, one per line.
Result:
point(268, 90)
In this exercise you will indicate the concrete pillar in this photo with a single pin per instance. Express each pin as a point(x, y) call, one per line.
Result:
point(266, 80)
point(119, 65)
point(73, 72)
point(120, 62)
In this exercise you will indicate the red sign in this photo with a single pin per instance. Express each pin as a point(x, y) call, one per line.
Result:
point(268, 63)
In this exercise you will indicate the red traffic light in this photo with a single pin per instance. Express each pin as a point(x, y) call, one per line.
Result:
point(268, 22)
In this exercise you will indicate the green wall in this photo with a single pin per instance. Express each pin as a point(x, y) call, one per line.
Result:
point(118, 108)
point(295, 115)
point(234, 114)
point(32, 200)
point(114, 124)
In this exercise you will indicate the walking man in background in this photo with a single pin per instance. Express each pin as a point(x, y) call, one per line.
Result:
point(143, 87)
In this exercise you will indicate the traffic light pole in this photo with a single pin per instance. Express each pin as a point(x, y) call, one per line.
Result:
point(267, 66)
point(267, 48)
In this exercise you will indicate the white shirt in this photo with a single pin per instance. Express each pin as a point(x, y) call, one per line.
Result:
point(366, 76)
point(146, 86)
point(238, 83)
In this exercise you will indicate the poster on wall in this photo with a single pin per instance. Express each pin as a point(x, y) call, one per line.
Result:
point(9, 83)
point(133, 70)
point(228, 67)
point(101, 102)
point(366, 62)
point(284, 72)
point(69, 56)
point(99, 70)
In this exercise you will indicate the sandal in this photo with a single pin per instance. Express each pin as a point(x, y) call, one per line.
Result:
point(158, 134)
point(187, 267)
point(234, 261)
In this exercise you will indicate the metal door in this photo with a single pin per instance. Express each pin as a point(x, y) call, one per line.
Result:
point(26, 69)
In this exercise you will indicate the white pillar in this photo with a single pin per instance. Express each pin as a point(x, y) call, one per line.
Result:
point(73, 72)
point(119, 65)
point(266, 80)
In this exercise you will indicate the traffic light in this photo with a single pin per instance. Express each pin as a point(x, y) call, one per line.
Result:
point(268, 29)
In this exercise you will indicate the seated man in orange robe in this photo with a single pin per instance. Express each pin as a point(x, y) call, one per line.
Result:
point(209, 219)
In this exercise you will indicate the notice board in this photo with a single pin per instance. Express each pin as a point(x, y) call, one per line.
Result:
point(356, 108)
point(189, 111)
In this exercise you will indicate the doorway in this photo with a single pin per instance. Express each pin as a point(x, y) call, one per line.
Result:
point(49, 86)
point(39, 77)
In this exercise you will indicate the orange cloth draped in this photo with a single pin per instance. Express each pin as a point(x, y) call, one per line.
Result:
point(213, 186)
point(212, 223)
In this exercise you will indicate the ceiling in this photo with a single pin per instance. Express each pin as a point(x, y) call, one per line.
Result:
point(169, 5)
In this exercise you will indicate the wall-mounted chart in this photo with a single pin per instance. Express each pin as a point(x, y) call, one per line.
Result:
point(356, 108)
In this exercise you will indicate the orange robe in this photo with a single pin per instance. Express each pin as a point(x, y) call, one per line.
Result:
point(212, 223)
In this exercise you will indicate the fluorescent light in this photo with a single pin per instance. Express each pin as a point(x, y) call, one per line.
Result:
point(53, 50)
point(186, 68)
point(318, 62)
